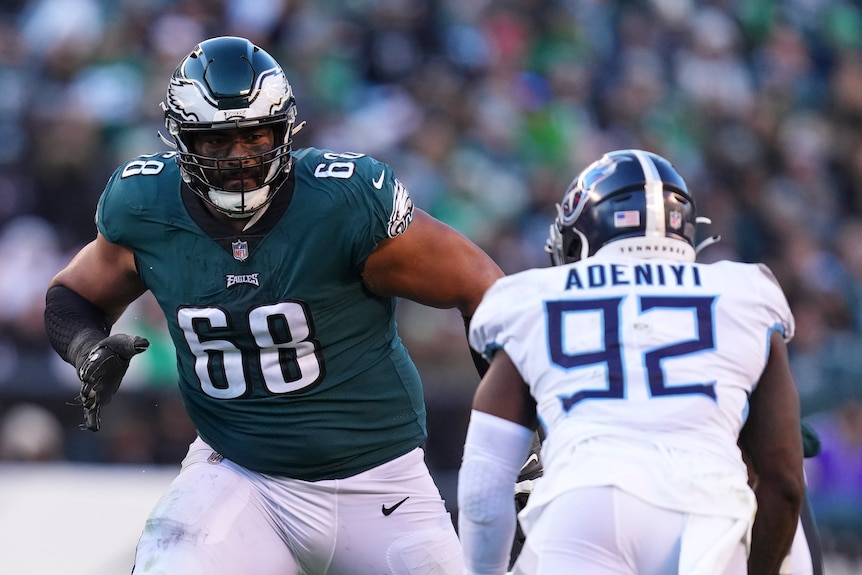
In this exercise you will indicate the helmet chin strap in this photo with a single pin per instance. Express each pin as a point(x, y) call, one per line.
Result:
point(256, 216)
point(226, 204)
point(172, 144)
point(295, 130)
point(252, 217)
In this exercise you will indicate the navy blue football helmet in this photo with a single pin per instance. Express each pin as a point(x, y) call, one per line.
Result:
point(229, 83)
point(630, 201)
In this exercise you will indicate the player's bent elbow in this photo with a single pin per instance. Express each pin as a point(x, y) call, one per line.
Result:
point(785, 477)
point(484, 494)
point(794, 493)
point(787, 490)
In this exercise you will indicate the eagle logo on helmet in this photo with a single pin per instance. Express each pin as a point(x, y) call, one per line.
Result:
point(190, 100)
point(181, 97)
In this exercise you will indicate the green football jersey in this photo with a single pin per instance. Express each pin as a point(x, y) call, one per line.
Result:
point(287, 364)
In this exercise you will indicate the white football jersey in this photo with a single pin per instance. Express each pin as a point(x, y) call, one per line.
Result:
point(641, 371)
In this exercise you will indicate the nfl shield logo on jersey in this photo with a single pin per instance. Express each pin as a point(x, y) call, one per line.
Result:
point(240, 250)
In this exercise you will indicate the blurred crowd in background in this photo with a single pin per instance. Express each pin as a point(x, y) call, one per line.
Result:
point(486, 109)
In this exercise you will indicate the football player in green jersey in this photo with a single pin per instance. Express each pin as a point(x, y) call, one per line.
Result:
point(278, 272)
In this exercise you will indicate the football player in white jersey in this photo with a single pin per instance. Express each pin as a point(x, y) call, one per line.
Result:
point(647, 372)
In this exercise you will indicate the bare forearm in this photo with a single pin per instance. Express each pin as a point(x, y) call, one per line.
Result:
point(774, 528)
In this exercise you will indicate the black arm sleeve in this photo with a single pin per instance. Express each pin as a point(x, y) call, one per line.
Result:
point(479, 361)
point(73, 324)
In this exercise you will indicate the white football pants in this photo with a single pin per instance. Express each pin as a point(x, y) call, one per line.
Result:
point(218, 518)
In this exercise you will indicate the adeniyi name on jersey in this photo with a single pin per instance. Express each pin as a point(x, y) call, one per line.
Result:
point(644, 360)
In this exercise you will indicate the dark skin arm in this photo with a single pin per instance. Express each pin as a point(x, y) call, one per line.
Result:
point(772, 445)
point(105, 274)
point(503, 392)
point(432, 264)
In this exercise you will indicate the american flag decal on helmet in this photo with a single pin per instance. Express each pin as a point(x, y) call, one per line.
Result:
point(240, 250)
point(627, 219)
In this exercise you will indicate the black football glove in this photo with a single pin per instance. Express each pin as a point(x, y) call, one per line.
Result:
point(530, 472)
point(103, 370)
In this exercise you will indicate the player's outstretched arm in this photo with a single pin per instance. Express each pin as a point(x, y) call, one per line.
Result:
point(82, 303)
point(772, 445)
point(433, 264)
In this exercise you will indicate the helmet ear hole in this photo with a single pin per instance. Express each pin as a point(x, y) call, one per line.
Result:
point(573, 253)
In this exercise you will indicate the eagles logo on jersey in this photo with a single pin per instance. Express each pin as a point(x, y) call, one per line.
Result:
point(402, 211)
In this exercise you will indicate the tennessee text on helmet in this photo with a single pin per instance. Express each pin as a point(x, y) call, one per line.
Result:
point(228, 83)
point(630, 201)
